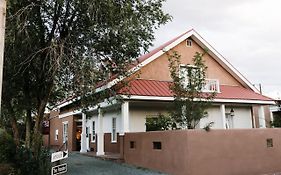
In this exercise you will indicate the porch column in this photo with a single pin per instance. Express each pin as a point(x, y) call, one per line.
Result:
point(124, 118)
point(222, 109)
point(100, 134)
point(83, 135)
point(261, 117)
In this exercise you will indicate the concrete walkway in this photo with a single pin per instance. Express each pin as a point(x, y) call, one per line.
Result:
point(84, 165)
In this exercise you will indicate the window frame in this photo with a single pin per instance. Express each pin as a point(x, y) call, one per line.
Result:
point(64, 131)
point(114, 130)
point(93, 131)
point(184, 75)
point(188, 43)
point(56, 135)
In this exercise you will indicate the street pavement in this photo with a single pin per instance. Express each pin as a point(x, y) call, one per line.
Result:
point(78, 164)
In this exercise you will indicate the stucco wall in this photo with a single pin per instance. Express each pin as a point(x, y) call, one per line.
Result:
point(197, 152)
point(158, 69)
point(242, 117)
point(138, 117)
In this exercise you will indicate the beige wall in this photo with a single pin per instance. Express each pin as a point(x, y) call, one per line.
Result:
point(197, 152)
point(158, 69)
point(138, 117)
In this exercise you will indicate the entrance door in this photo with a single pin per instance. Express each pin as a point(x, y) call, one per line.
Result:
point(88, 138)
point(78, 138)
point(229, 121)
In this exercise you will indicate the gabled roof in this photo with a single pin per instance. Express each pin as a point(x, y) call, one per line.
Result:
point(155, 88)
point(157, 52)
point(154, 54)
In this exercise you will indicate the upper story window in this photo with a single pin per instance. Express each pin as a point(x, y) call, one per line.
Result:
point(189, 43)
point(190, 74)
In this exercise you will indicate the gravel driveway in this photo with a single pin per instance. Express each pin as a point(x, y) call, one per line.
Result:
point(78, 164)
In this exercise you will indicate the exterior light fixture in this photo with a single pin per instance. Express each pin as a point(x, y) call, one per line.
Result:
point(231, 112)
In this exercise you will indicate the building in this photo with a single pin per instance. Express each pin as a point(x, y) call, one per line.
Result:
point(103, 129)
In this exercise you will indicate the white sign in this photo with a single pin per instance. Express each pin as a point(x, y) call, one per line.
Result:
point(59, 169)
point(59, 155)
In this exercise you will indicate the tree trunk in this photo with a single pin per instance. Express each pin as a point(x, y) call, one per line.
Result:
point(13, 122)
point(28, 128)
point(37, 135)
point(14, 125)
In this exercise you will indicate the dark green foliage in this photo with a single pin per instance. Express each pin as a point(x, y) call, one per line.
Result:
point(276, 120)
point(190, 102)
point(27, 164)
point(21, 160)
point(56, 49)
point(158, 123)
point(7, 147)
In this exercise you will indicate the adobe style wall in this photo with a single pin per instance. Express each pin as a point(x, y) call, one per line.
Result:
point(197, 152)
point(159, 70)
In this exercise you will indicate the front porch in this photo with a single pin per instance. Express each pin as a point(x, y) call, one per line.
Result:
point(103, 131)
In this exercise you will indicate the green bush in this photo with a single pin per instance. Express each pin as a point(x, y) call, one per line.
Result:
point(20, 160)
point(7, 147)
point(159, 123)
point(28, 165)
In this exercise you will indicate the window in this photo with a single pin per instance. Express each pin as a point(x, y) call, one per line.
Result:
point(114, 133)
point(87, 131)
point(132, 144)
point(157, 145)
point(189, 74)
point(56, 134)
point(269, 142)
point(93, 132)
point(65, 132)
point(188, 43)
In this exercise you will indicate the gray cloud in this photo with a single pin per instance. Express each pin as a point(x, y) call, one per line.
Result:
point(245, 32)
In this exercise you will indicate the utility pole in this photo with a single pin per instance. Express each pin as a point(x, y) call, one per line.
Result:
point(2, 41)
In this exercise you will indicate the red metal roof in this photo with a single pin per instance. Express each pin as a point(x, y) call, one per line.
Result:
point(141, 87)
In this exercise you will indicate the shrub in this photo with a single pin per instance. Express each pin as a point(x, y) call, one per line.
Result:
point(28, 165)
point(159, 123)
point(7, 147)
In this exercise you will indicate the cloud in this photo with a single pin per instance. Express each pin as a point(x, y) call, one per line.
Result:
point(245, 32)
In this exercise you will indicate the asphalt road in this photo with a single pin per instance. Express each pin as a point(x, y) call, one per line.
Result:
point(78, 164)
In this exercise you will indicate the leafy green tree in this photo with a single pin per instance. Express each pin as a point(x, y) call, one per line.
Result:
point(60, 48)
point(190, 102)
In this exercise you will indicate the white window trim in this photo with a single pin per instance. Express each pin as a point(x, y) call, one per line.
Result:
point(186, 80)
point(56, 135)
point(188, 41)
point(63, 132)
point(115, 134)
point(92, 135)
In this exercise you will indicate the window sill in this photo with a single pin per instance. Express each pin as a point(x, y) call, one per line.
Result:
point(113, 141)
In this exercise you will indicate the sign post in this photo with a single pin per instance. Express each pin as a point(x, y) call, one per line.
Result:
point(59, 169)
point(57, 156)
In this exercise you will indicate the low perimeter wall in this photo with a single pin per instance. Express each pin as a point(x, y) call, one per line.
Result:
point(197, 152)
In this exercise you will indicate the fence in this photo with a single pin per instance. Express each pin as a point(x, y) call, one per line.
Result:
point(196, 152)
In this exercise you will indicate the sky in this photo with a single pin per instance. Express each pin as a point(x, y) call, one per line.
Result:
point(246, 32)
